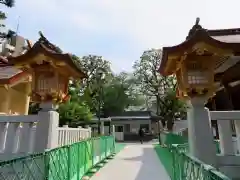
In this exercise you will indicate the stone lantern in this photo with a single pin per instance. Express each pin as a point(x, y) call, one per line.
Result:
point(196, 63)
point(51, 71)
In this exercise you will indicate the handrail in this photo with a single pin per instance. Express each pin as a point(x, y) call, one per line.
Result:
point(66, 162)
point(187, 167)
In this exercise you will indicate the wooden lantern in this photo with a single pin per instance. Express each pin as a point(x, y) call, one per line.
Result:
point(197, 60)
point(50, 69)
point(195, 76)
point(49, 85)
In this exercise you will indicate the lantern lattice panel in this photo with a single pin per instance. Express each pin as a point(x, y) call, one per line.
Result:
point(198, 73)
point(46, 81)
point(197, 77)
point(49, 85)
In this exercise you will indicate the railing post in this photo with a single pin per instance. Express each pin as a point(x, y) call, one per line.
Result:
point(225, 137)
point(25, 138)
point(46, 165)
point(11, 137)
point(78, 162)
point(114, 138)
point(237, 127)
point(69, 162)
point(65, 134)
point(93, 153)
point(89, 132)
point(3, 133)
point(102, 128)
point(79, 133)
point(86, 151)
point(47, 132)
point(105, 146)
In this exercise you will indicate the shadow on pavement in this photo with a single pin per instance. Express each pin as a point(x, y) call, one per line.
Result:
point(150, 166)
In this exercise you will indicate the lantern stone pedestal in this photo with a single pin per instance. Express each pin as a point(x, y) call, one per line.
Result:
point(201, 141)
point(47, 133)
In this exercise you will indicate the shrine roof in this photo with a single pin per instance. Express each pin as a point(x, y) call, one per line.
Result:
point(43, 46)
point(225, 39)
point(226, 35)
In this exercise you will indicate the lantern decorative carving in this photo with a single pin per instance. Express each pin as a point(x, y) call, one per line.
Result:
point(196, 76)
point(50, 70)
point(49, 85)
point(197, 61)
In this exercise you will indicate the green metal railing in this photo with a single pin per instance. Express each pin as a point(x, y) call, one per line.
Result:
point(190, 168)
point(63, 163)
point(186, 167)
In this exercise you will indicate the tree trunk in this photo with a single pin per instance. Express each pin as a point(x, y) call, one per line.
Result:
point(163, 122)
point(170, 123)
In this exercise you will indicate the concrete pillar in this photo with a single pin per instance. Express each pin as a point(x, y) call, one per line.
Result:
point(4, 100)
point(47, 132)
point(113, 130)
point(114, 137)
point(237, 127)
point(102, 128)
point(201, 142)
point(225, 137)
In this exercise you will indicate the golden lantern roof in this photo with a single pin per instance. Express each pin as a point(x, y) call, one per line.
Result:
point(44, 51)
point(225, 43)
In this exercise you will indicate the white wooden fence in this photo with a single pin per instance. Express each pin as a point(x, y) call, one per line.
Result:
point(17, 135)
point(20, 135)
point(68, 135)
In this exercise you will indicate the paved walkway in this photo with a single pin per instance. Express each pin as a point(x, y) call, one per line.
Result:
point(134, 162)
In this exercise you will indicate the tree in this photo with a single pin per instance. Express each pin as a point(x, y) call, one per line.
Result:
point(72, 112)
point(83, 92)
point(88, 89)
point(156, 87)
point(172, 108)
point(113, 88)
point(8, 3)
point(88, 93)
point(121, 90)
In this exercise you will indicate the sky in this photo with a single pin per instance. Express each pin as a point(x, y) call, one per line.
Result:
point(118, 30)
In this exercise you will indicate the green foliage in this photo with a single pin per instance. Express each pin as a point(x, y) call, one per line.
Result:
point(159, 90)
point(90, 95)
point(171, 108)
point(72, 112)
point(104, 93)
point(8, 3)
point(120, 89)
point(33, 108)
